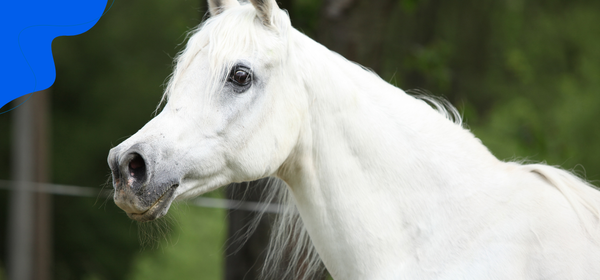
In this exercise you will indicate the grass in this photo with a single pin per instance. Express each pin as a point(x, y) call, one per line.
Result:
point(189, 245)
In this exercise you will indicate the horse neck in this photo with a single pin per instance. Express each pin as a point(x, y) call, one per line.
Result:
point(372, 163)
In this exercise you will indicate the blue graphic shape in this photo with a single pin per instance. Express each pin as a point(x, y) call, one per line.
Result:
point(27, 28)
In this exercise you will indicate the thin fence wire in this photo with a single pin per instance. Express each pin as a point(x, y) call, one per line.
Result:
point(58, 189)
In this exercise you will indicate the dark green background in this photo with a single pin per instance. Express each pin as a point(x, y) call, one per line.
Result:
point(525, 75)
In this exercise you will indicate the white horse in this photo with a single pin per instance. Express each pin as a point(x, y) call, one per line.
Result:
point(386, 187)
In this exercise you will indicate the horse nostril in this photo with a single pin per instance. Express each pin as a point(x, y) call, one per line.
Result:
point(137, 168)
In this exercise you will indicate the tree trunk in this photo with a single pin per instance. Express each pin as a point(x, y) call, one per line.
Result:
point(356, 29)
point(29, 225)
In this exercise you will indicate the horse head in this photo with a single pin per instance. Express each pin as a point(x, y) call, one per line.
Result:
point(233, 113)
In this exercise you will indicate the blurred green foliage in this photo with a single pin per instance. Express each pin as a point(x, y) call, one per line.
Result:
point(548, 67)
point(525, 74)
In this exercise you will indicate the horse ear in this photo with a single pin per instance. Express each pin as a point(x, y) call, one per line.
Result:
point(264, 9)
point(218, 6)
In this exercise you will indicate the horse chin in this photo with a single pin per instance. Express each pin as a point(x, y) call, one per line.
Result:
point(158, 209)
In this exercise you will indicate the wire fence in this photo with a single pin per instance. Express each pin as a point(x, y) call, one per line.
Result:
point(58, 189)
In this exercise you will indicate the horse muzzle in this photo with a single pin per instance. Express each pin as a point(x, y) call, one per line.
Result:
point(140, 191)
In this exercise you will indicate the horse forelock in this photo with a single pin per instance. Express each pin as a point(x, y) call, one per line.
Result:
point(235, 33)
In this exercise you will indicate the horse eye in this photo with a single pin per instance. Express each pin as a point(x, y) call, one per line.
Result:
point(240, 76)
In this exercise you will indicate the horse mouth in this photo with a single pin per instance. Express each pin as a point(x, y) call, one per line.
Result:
point(158, 209)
